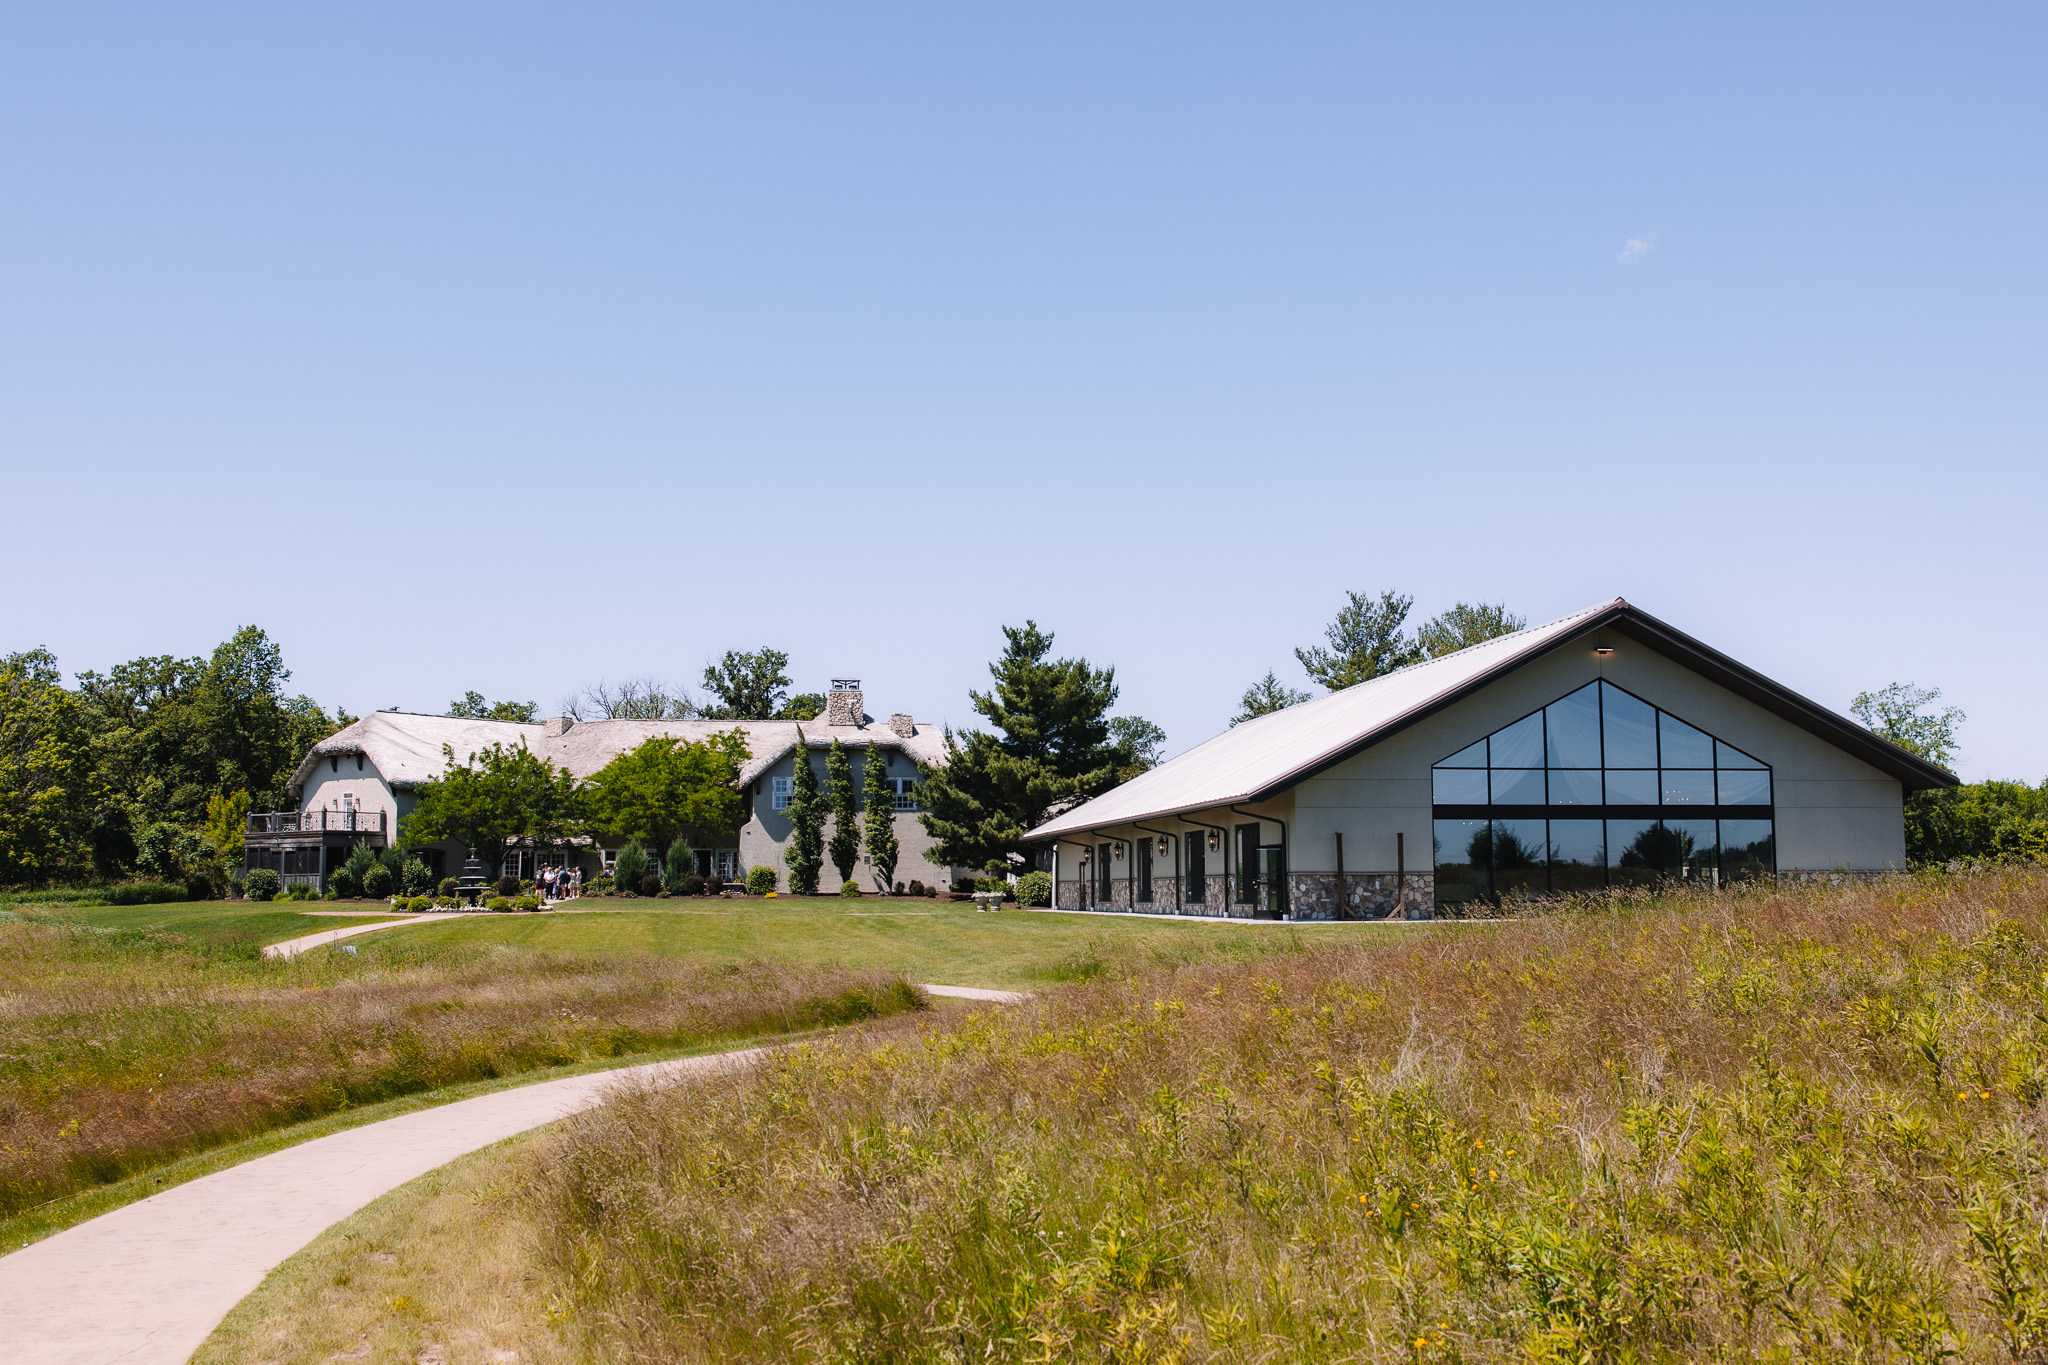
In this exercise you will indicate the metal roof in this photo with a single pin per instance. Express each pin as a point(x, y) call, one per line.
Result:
point(1263, 757)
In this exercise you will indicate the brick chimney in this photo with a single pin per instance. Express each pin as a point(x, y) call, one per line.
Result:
point(903, 725)
point(843, 703)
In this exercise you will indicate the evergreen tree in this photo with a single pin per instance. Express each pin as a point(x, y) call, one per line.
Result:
point(1365, 642)
point(845, 846)
point(1054, 745)
point(1464, 625)
point(805, 854)
point(881, 812)
point(1266, 696)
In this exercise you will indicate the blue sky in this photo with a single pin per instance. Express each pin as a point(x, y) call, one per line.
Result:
point(511, 347)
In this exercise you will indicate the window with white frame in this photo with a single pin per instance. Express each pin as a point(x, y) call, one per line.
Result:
point(906, 792)
point(781, 793)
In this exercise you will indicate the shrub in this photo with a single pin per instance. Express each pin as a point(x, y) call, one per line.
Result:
point(760, 880)
point(345, 881)
point(1034, 888)
point(694, 885)
point(931, 891)
point(298, 892)
point(449, 886)
point(447, 903)
point(917, 888)
point(200, 886)
point(650, 885)
point(507, 886)
point(629, 867)
point(498, 905)
point(416, 879)
point(526, 903)
point(899, 888)
point(850, 889)
point(379, 882)
point(262, 885)
point(679, 865)
point(155, 893)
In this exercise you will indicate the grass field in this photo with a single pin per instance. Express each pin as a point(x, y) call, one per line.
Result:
point(919, 940)
point(217, 922)
point(1801, 1123)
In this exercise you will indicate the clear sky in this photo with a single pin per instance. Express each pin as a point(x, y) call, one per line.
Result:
point(509, 346)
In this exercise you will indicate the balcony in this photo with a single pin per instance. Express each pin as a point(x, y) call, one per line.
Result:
point(317, 822)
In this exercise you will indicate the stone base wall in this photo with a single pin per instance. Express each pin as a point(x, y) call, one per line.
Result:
point(1366, 895)
point(1166, 898)
point(1835, 876)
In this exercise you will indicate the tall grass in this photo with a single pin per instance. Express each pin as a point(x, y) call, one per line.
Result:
point(1781, 1124)
point(123, 1049)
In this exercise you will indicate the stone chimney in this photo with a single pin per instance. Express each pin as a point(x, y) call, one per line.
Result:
point(556, 726)
point(903, 725)
point(843, 703)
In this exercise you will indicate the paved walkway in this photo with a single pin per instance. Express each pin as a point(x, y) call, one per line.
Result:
point(146, 1284)
point(292, 947)
point(977, 993)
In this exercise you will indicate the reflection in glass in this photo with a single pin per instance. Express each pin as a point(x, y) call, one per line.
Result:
point(1683, 746)
point(1574, 786)
point(1519, 857)
point(1573, 723)
point(1518, 786)
point(1744, 787)
point(1520, 745)
point(1473, 757)
point(1462, 850)
point(1635, 851)
point(1747, 848)
point(1631, 728)
point(1631, 787)
point(1688, 787)
point(1692, 845)
point(1578, 855)
point(1726, 756)
point(1458, 786)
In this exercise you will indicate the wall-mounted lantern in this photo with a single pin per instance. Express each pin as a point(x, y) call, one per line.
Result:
point(1215, 840)
point(1162, 845)
point(1087, 855)
point(1119, 848)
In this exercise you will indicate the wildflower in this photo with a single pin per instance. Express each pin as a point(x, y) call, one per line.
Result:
point(1985, 1096)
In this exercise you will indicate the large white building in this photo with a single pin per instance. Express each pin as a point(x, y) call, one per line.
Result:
point(357, 785)
point(1603, 748)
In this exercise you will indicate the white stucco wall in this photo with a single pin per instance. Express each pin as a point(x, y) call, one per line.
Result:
point(765, 835)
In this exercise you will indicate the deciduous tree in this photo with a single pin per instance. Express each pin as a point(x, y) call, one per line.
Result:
point(499, 793)
point(46, 774)
point(747, 684)
point(667, 787)
point(474, 707)
point(1898, 713)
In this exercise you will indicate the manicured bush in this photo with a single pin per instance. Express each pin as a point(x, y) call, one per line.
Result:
point(417, 879)
point(449, 885)
point(201, 886)
point(151, 893)
point(447, 903)
point(261, 885)
point(526, 903)
point(630, 866)
point(650, 886)
point(899, 888)
point(692, 885)
point(379, 882)
point(931, 891)
point(760, 880)
point(344, 881)
point(1034, 888)
point(506, 886)
point(298, 892)
point(679, 865)
point(917, 888)
point(498, 905)
point(850, 889)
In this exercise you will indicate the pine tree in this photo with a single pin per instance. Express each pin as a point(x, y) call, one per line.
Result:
point(881, 812)
point(845, 846)
point(805, 854)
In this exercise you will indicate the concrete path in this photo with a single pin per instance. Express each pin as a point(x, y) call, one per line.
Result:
point(146, 1284)
point(976, 993)
point(292, 947)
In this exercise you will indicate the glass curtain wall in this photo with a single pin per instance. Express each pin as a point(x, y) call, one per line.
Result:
point(1599, 788)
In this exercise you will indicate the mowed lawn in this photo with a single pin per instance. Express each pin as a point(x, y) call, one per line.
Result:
point(935, 941)
point(218, 922)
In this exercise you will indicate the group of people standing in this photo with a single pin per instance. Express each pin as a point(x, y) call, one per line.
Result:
point(560, 883)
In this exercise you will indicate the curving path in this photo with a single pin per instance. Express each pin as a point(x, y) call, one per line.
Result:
point(292, 947)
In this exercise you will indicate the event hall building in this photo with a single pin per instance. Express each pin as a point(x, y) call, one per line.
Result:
point(1602, 749)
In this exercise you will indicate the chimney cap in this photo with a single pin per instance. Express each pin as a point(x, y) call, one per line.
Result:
point(846, 684)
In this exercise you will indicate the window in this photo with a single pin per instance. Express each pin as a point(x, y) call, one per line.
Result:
point(780, 794)
point(1247, 864)
point(1196, 843)
point(1144, 851)
point(1102, 889)
point(906, 792)
point(1598, 788)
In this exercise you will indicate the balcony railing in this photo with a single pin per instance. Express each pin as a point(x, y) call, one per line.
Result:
point(316, 822)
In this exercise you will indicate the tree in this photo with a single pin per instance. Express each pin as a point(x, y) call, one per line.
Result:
point(1365, 642)
point(806, 851)
point(634, 699)
point(1895, 714)
point(844, 848)
point(803, 706)
point(881, 812)
point(1138, 743)
point(46, 774)
point(1266, 696)
point(227, 823)
point(1465, 625)
point(474, 707)
point(666, 788)
point(679, 862)
point(500, 793)
point(1054, 745)
point(747, 685)
point(1993, 821)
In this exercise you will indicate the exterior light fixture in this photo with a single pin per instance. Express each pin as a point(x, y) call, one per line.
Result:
point(1215, 841)
point(1162, 845)
point(1087, 855)
point(1604, 651)
point(1119, 852)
